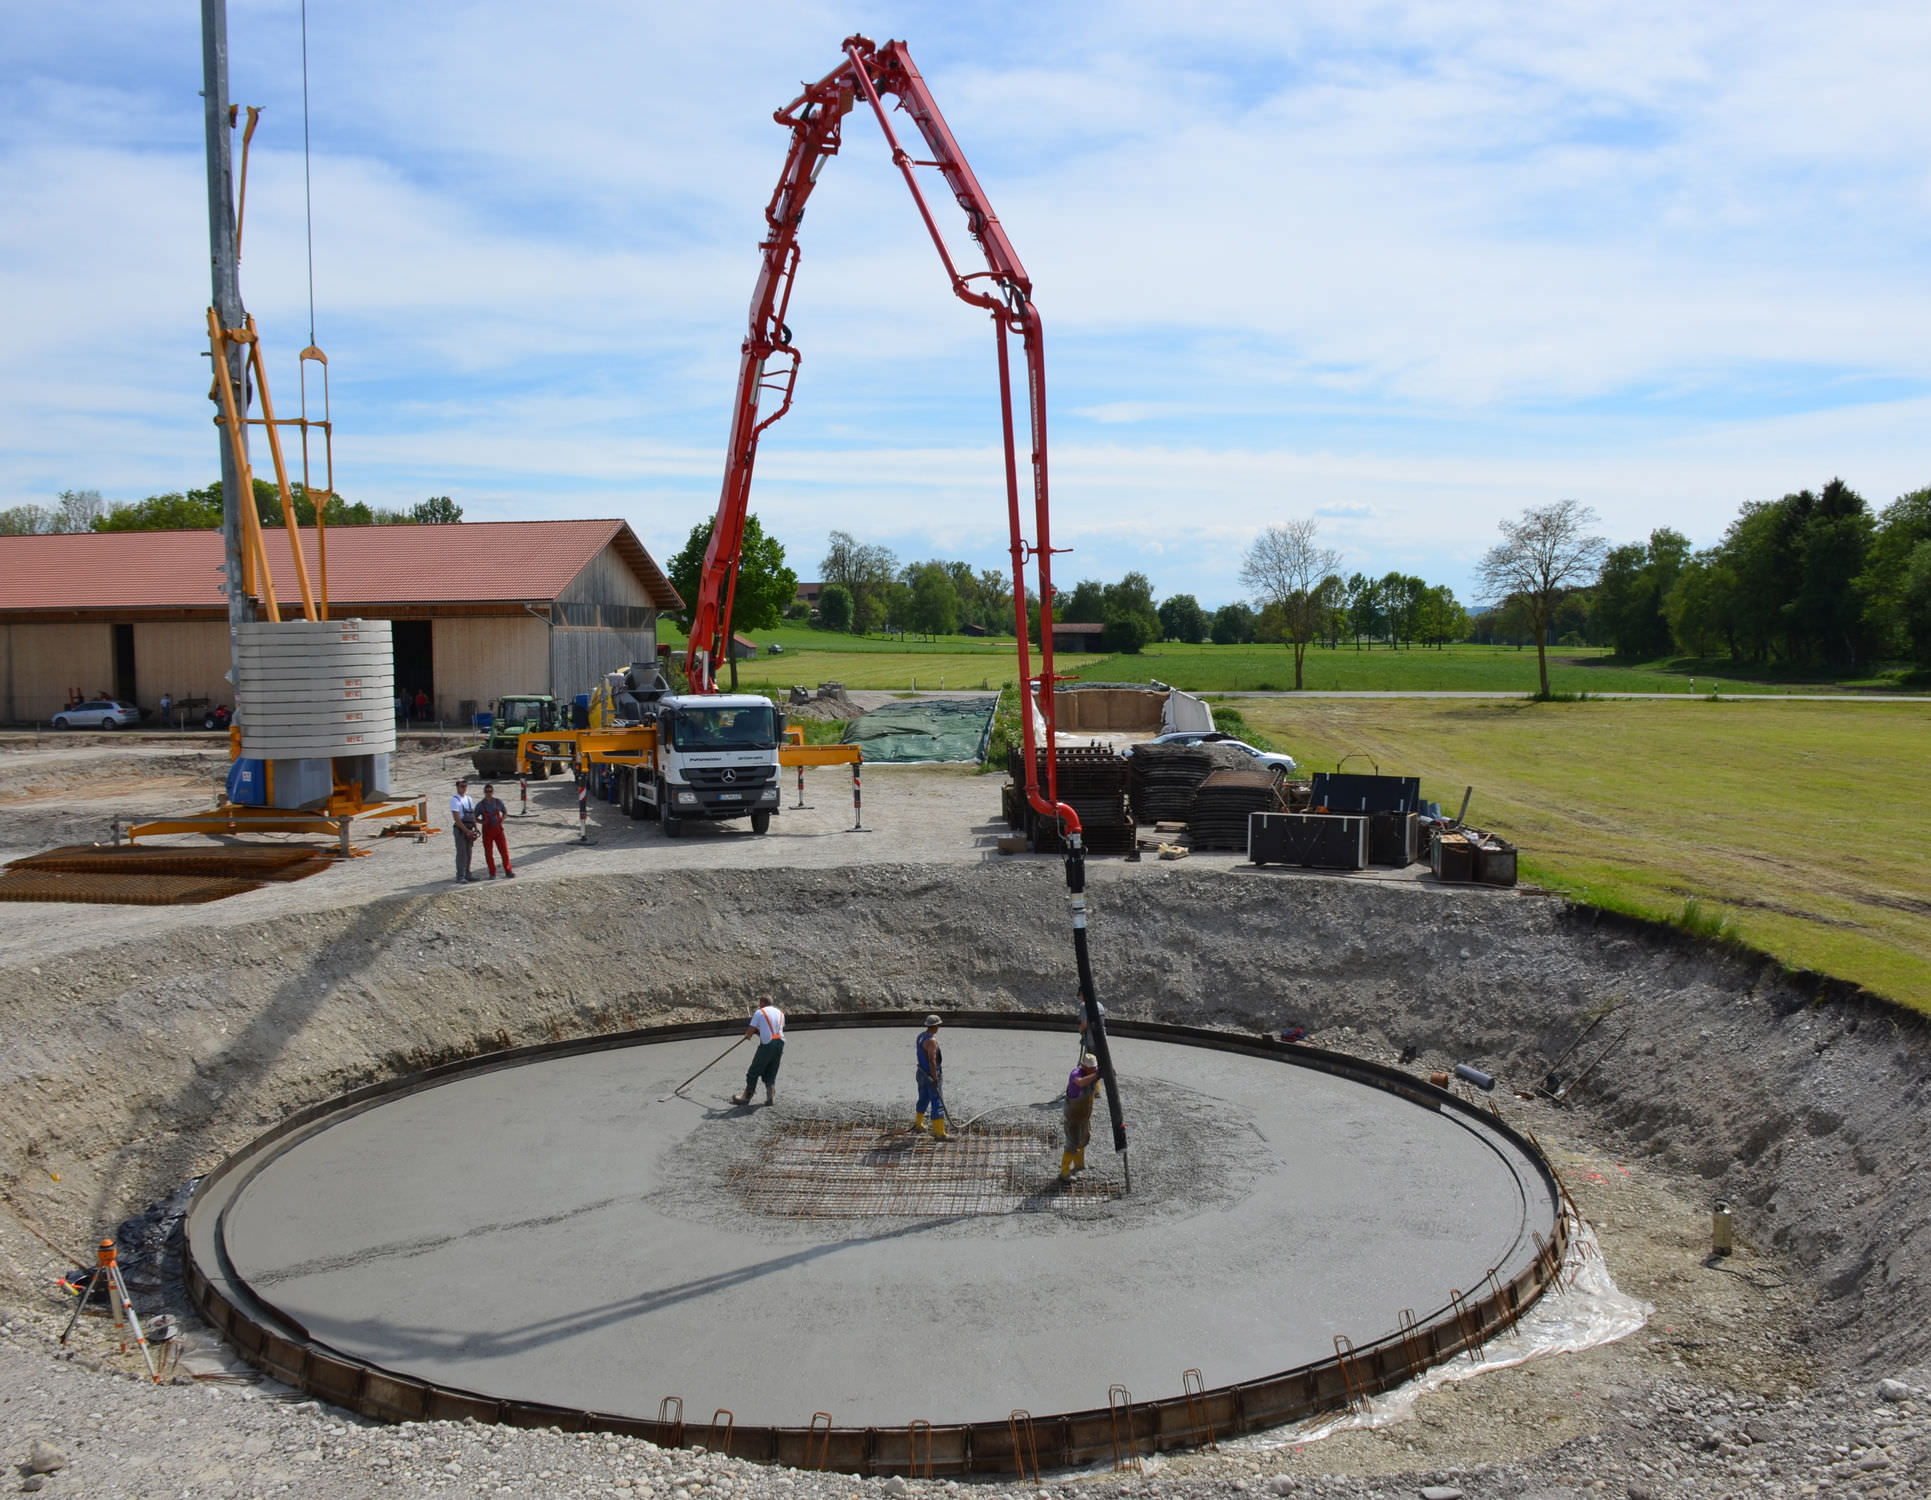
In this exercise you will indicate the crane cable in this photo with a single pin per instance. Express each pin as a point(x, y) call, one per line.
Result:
point(308, 192)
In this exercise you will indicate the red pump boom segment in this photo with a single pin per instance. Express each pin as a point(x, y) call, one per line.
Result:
point(768, 374)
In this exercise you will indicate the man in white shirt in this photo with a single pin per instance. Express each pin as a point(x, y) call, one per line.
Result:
point(462, 828)
point(767, 1025)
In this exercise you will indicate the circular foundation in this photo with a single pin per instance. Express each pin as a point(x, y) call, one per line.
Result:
point(554, 1236)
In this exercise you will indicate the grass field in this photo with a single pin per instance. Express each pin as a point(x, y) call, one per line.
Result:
point(813, 656)
point(1460, 668)
point(1797, 824)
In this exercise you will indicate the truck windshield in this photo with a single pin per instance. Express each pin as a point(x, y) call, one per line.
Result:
point(725, 728)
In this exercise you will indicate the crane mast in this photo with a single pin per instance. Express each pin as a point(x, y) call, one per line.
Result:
point(768, 378)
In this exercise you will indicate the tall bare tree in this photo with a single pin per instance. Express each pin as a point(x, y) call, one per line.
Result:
point(1284, 566)
point(1544, 551)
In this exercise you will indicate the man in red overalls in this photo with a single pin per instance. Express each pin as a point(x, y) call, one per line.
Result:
point(490, 812)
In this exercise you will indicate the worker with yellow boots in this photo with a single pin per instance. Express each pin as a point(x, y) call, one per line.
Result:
point(931, 1078)
point(1082, 1088)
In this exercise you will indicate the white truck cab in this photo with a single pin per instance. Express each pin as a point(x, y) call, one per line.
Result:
point(715, 756)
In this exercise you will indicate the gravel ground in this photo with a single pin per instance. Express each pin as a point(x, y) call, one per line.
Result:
point(141, 1045)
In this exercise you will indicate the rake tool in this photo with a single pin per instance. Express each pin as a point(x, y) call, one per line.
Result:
point(678, 1092)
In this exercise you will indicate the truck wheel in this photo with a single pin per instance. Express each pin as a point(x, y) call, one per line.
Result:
point(761, 820)
point(633, 800)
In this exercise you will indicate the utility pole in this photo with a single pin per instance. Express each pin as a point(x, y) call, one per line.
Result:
point(227, 305)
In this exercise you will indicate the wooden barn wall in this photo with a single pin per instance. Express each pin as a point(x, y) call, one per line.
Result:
point(481, 658)
point(184, 659)
point(41, 663)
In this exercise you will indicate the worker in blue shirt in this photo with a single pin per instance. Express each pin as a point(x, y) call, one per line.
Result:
point(931, 1079)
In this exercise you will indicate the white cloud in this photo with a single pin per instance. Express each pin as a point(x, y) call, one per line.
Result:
point(1408, 267)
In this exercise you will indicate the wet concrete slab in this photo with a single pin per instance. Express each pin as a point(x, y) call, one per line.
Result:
point(561, 1231)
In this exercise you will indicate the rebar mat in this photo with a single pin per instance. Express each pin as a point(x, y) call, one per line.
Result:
point(137, 889)
point(223, 861)
point(828, 1169)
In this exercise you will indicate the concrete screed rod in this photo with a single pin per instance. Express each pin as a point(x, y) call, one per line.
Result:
point(678, 1091)
point(1089, 997)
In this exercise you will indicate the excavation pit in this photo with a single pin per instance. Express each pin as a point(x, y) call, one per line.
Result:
point(553, 1237)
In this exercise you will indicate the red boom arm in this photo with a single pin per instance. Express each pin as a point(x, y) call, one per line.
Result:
point(769, 367)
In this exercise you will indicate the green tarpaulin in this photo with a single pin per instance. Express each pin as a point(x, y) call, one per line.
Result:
point(925, 729)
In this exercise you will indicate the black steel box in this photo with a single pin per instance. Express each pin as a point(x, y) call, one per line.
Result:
point(1321, 841)
point(1394, 839)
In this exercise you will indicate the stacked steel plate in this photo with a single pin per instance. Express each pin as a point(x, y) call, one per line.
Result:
point(1222, 802)
point(1093, 782)
point(1163, 780)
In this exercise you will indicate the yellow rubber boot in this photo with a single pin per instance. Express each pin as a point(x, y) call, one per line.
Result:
point(918, 1122)
point(1079, 1160)
point(1065, 1166)
point(938, 1127)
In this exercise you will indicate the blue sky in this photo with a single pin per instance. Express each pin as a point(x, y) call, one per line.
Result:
point(1404, 268)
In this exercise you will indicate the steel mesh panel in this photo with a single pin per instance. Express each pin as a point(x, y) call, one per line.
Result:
point(828, 1169)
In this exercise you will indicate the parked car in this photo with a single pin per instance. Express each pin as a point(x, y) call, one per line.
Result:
point(1274, 759)
point(100, 713)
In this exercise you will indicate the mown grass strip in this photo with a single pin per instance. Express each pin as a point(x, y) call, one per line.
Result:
point(1790, 827)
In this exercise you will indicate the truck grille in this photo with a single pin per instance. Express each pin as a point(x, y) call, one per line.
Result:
point(735, 777)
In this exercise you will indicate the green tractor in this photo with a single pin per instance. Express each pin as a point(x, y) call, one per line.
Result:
point(495, 758)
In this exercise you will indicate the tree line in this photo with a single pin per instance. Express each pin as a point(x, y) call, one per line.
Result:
point(200, 510)
point(1809, 580)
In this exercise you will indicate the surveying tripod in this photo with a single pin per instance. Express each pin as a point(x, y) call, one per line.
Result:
point(107, 1279)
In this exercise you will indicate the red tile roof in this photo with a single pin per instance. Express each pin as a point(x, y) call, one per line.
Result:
point(471, 562)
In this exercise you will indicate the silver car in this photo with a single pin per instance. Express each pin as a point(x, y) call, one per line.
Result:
point(101, 713)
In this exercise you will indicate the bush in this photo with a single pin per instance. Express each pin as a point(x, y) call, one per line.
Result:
point(799, 610)
point(835, 607)
point(1125, 633)
point(1005, 731)
point(1233, 625)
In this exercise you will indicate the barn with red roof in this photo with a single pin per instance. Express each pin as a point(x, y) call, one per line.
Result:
point(480, 609)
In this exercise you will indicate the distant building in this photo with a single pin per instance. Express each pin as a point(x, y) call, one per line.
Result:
point(479, 609)
point(808, 594)
point(743, 648)
point(971, 629)
point(1076, 637)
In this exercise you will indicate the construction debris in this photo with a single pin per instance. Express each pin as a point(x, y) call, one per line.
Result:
point(829, 701)
point(1470, 855)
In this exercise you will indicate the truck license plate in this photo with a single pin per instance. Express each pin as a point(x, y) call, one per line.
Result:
point(730, 796)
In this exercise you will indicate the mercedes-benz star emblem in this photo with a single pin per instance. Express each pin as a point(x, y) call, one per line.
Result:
point(729, 775)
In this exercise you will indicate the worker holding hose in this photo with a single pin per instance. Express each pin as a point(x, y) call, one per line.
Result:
point(1082, 1088)
point(767, 1025)
point(931, 1079)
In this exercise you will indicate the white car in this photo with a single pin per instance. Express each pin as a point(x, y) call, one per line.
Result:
point(101, 713)
point(1271, 758)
